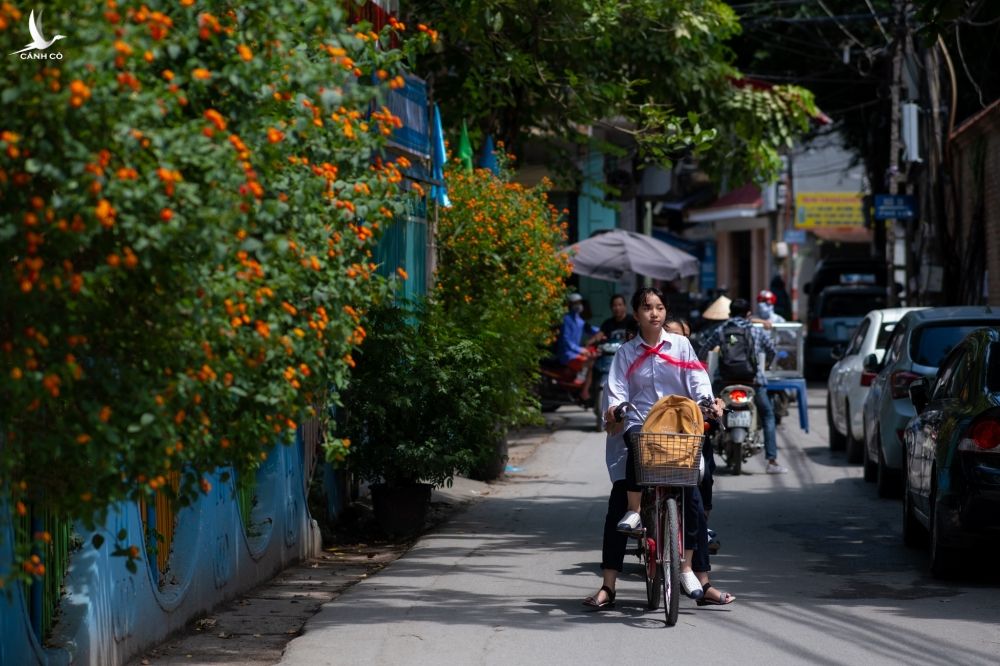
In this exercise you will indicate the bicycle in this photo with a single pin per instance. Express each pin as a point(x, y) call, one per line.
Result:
point(665, 463)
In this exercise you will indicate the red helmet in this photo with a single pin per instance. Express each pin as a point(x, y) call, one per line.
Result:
point(766, 296)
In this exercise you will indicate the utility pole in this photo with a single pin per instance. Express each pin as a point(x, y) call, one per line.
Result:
point(895, 237)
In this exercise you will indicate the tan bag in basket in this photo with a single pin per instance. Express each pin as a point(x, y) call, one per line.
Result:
point(674, 414)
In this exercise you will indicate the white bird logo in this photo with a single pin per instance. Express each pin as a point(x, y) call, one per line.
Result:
point(38, 42)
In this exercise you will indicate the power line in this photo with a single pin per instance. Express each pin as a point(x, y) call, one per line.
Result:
point(877, 22)
point(840, 25)
point(965, 66)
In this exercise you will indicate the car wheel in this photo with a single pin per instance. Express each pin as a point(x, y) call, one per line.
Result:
point(914, 535)
point(886, 481)
point(855, 447)
point(871, 469)
point(837, 441)
point(943, 558)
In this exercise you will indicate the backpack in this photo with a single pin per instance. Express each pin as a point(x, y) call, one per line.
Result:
point(737, 354)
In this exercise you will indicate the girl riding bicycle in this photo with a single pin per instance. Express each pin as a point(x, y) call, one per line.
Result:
point(651, 366)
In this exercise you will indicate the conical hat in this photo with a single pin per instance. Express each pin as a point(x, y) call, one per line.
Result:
point(718, 310)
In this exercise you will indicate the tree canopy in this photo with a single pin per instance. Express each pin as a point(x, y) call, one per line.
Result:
point(660, 69)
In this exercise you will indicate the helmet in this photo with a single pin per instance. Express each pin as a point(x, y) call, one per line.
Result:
point(574, 298)
point(766, 296)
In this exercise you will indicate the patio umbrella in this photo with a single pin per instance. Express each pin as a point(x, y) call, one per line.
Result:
point(613, 254)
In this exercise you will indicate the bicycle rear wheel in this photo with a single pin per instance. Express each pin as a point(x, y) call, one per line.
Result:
point(671, 562)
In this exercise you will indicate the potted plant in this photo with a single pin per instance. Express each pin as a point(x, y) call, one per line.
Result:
point(412, 413)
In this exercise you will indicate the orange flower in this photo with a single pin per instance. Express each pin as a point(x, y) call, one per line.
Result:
point(216, 119)
point(402, 273)
point(114, 260)
point(166, 214)
point(245, 52)
point(82, 438)
point(201, 74)
point(275, 135)
point(168, 75)
point(105, 414)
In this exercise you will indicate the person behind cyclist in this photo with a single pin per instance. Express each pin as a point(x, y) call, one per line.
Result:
point(700, 560)
point(766, 308)
point(614, 327)
point(653, 365)
point(740, 320)
point(569, 350)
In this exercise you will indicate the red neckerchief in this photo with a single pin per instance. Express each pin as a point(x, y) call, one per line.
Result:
point(655, 351)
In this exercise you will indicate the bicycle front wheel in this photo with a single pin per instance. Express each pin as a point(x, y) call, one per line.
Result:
point(671, 562)
point(651, 565)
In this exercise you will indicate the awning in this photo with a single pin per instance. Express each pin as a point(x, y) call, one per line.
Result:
point(743, 202)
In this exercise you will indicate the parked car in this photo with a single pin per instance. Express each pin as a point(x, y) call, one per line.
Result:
point(833, 272)
point(919, 342)
point(848, 383)
point(839, 311)
point(952, 463)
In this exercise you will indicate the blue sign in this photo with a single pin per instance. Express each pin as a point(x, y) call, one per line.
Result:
point(895, 207)
point(795, 236)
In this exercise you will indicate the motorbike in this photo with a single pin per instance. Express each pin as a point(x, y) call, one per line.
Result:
point(560, 385)
point(742, 436)
point(602, 366)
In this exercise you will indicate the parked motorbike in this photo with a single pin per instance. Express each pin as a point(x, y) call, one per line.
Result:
point(559, 385)
point(742, 436)
point(602, 366)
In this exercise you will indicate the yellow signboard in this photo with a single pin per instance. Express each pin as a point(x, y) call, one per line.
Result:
point(825, 210)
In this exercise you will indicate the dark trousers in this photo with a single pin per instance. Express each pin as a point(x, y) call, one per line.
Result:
point(615, 543)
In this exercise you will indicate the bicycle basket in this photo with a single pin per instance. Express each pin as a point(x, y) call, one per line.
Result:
point(667, 458)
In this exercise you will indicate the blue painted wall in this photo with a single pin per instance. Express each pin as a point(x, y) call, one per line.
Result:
point(109, 615)
point(593, 215)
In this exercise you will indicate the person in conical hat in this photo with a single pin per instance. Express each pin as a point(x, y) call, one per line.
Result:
point(718, 310)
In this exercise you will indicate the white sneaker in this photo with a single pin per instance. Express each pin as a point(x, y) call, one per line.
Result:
point(691, 585)
point(630, 522)
point(775, 468)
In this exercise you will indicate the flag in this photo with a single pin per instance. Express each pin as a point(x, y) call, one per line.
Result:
point(465, 148)
point(439, 192)
point(488, 160)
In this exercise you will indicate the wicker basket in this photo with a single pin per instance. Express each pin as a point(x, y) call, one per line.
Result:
point(667, 458)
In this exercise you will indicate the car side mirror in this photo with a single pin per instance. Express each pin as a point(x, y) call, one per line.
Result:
point(871, 363)
point(918, 393)
point(837, 352)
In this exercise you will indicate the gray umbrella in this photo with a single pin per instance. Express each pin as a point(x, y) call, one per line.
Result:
point(613, 254)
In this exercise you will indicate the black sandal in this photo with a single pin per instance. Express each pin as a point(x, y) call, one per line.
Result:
point(724, 597)
point(591, 602)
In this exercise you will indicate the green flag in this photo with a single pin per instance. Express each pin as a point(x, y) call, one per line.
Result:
point(465, 148)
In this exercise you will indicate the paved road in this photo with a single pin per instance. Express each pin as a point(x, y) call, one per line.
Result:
point(815, 560)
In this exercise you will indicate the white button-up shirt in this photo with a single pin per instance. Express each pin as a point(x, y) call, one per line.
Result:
point(674, 370)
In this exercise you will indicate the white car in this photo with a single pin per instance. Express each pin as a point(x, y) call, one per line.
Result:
point(848, 383)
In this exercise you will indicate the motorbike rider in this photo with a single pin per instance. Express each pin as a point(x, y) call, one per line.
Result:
point(766, 301)
point(653, 365)
point(569, 350)
point(740, 315)
point(615, 326)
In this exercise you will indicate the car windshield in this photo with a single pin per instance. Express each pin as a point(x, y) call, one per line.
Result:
point(931, 343)
point(851, 305)
point(883, 335)
point(993, 371)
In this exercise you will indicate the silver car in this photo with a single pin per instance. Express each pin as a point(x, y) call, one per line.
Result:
point(848, 382)
point(917, 346)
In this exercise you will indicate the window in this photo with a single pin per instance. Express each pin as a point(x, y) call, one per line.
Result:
point(851, 305)
point(859, 337)
point(883, 335)
point(931, 343)
point(993, 368)
point(894, 345)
